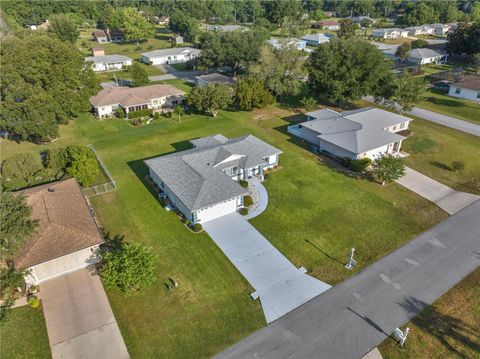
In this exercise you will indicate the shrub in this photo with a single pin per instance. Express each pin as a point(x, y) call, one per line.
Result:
point(247, 200)
point(187, 222)
point(308, 103)
point(156, 116)
point(56, 160)
point(141, 113)
point(22, 166)
point(458, 165)
point(197, 227)
point(360, 165)
point(244, 183)
point(119, 113)
point(243, 211)
point(82, 164)
point(34, 301)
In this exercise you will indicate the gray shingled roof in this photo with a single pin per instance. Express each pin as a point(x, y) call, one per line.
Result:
point(356, 131)
point(107, 58)
point(195, 175)
point(171, 51)
point(424, 53)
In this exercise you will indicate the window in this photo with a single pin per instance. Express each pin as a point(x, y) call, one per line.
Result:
point(402, 125)
point(394, 128)
point(478, 94)
point(457, 90)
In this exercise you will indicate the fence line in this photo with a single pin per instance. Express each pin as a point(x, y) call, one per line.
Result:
point(102, 188)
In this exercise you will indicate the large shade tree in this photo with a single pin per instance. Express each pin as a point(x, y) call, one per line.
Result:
point(64, 27)
point(44, 84)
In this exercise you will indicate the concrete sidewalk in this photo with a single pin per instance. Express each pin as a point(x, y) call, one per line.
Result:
point(80, 321)
point(260, 197)
point(446, 198)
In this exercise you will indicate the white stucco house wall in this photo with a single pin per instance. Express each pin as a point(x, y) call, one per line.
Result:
point(420, 30)
point(173, 55)
point(467, 88)
point(424, 56)
point(367, 132)
point(67, 237)
point(109, 62)
point(202, 183)
point(391, 33)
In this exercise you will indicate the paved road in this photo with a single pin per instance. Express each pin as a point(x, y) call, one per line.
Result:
point(353, 317)
point(446, 198)
point(80, 321)
point(280, 286)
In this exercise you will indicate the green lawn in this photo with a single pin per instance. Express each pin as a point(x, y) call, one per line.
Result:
point(23, 335)
point(446, 329)
point(439, 102)
point(127, 74)
point(316, 214)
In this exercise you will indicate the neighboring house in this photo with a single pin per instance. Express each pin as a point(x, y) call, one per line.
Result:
point(292, 42)
point(177, 39)
point(366, 132)
point(226, 28)
point(202, 182)
point(441, 29)
point(326, 25)
point(424, 56)
point(316, 39)
point(329, 13)
point(98, 51)
point(131, 99)
point(169, 56)
point(420, 30)
point(100, 36)
point(358, 19)
point(467, 88)
point(392, 33)
point(163, 20)
point(67, 236)
point(109, 62)
point(214, 78)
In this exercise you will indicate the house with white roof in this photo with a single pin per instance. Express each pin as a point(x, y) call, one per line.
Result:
point(467, 88)
point(173, 55)
point(283, 43)
point(316, 39)
point(109, 62)
point(366, 132)
point(425, 55)
point(226, 28)
point(391, 33)
point(420, 30)
point(441, 29)
point(202, 183)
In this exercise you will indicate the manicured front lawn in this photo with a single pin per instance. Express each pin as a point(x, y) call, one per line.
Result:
point(439, 102)
point(23, 335)
point(127, 74)
point(433, 148)
point(446, 329)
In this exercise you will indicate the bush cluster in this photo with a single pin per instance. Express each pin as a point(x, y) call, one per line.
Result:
point(141, 113)
point(360, 165)
point(247, 200)
point(244, 183)
point(197, 227)
point(243, 211)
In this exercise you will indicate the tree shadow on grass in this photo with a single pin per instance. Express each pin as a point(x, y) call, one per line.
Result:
point(440, 165)
point(324, 253)
point(445, 328)
point(442, 102)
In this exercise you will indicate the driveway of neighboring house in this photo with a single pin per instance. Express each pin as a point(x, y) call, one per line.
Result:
point(446, 198)
point(280, 286)
point(80, 321)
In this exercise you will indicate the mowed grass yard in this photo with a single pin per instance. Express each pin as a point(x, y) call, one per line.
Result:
point(316, 214)
point(447, 329)
point(23, 335)
point(462, 109)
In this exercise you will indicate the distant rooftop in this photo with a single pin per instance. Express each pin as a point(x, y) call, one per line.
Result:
point(171, 51)
point(216, 78)
point(106, 58)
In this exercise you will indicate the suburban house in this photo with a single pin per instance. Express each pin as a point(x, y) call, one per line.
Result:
point(391, 33)
point(316, 39)
point(174, 55)
point(420, 30)
point(366, 132)
point(214, 78)
point(202, 182)
point(163, 20)
point(292, 42)
point(441, 29)
point(67, 235)
point(326, 25)
point(467, 88)
point(226, 28)
point(108, 62)
point(100, 36)
point(98, 51)
point(358, 19)
point(423, 56)
point(131, 99)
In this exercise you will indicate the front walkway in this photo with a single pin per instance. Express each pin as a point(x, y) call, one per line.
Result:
point(446, 198)
point(260, 198)
point(280, 286)
point(80, 321)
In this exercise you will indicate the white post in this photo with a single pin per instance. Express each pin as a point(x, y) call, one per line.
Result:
point(351, 262)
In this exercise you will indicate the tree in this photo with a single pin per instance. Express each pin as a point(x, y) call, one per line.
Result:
point(475, 12)
point(347, 29)
point(136, 26)
point(347, 69)
point(465, 39)
point(55, 160)
point(308, 103)
point(476, 63)
point(419, 13)
point(178, 110)
point(281, 69)
point(251, 93)
point(419, 43)
point(44, 83)
point(129, 267)
point(64, 27)
point(403, 51)
point(139, 75)
point(406, 91)
point(184, 24)
point(82, 164)
point(16, 223)
point(366, 23)
point(388, 168)
point(211, 98)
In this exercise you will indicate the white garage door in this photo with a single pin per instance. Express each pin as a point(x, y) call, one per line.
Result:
point(217, 211)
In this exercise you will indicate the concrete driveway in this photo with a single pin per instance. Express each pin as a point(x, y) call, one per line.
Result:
point(280, 286)
point(80, 321)
point(446, 198)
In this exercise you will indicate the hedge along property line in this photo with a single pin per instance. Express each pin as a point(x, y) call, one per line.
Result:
point(141, 113)
point(108, 186)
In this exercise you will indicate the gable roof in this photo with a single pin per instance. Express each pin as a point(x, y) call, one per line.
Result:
point(65, 224)
point(171, 51)
point(471, 82)
point(356, 131)
point(195, 175)
point(106, 58)
point(216, 78)
point(424, 53)
point(321, 37)
point(127, 96)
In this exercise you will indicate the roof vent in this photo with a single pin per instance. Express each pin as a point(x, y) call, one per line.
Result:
point(51, 190)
